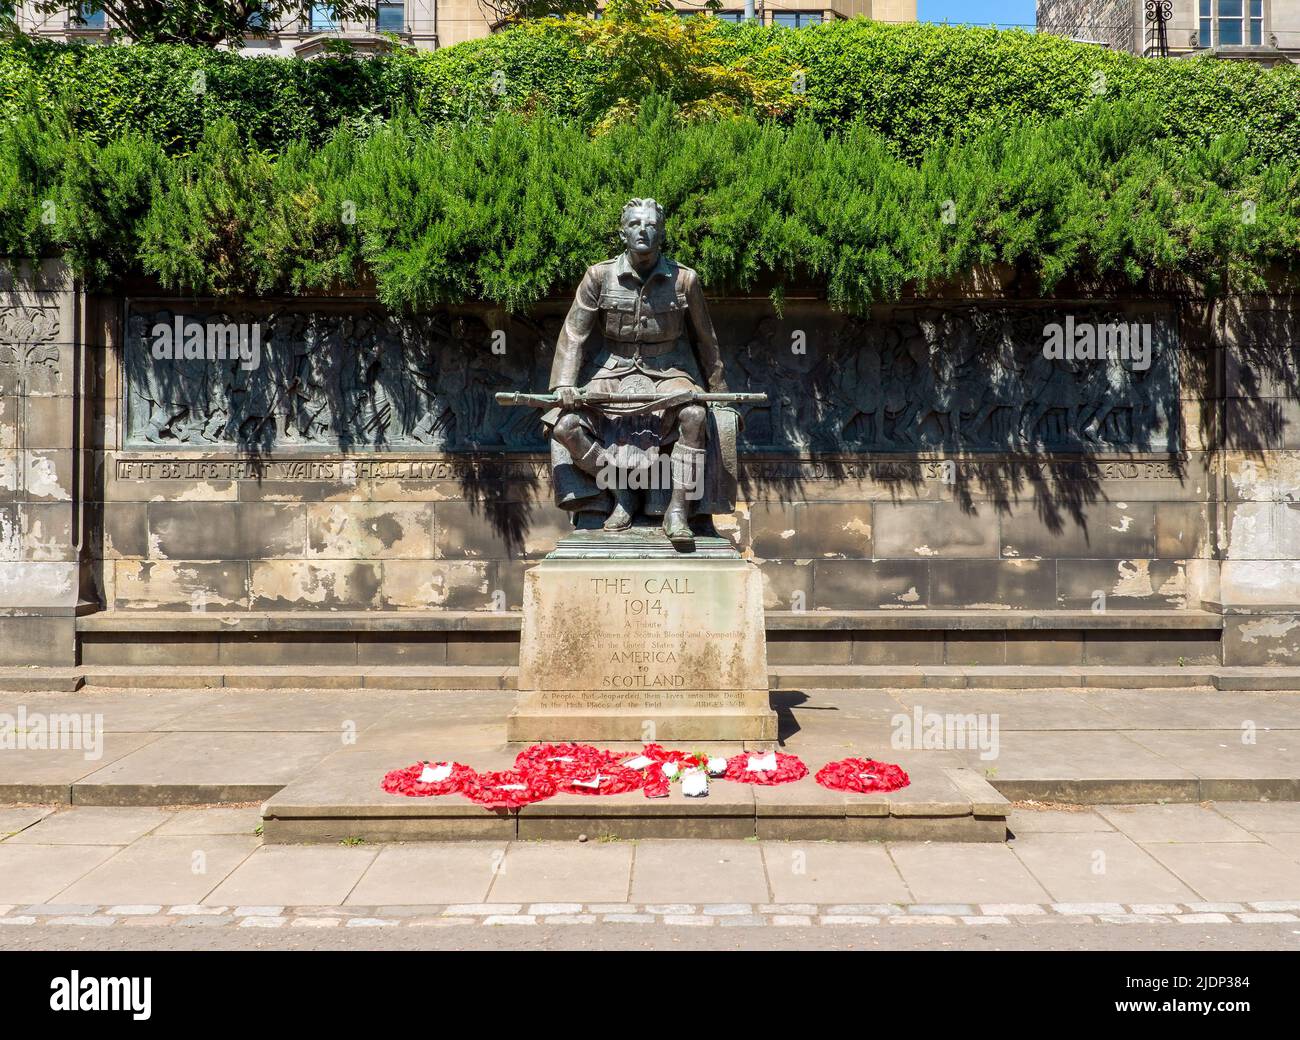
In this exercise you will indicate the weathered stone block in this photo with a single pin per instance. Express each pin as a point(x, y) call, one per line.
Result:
point(1019, 584)
point(918, 648)
point(1107, 529)
point(389, 651)
point(1262, 639)
point(48, 422)
point(27, 583)
point(182, 649)
point(287, 648)
point(810, 648)
point(319, 584)
point(975, 648)
point(1182, 530)
point(438, 585)
point(126, 530)
point(834, 530)
point(37, 641)
point(923, 530)
point(226, 531)
point(37, 531)
point(370, 531)
point(772, 530)
point(180, 585)
point(870, 584)
point(1118, 647)
point(787, 584)
point(1260, 582)
point(479, 530)
point(1045, 648)
point(1104, 585)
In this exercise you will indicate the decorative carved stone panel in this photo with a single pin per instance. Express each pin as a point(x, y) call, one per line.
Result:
point(975, 377)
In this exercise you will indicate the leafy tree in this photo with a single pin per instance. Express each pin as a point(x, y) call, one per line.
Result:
point(642, 47)
point(206, 23)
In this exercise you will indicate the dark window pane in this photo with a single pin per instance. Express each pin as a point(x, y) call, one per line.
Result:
point(392, 17)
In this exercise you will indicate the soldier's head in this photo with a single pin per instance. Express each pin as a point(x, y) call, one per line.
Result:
point(642, 228)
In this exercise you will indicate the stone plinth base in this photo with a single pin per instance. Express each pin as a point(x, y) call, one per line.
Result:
point(636, 644)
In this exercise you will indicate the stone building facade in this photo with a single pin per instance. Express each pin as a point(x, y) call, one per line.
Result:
point(1266, 31)
point(318, 481)
point(429, 24)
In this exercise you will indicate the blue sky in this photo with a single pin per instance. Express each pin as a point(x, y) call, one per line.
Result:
point(977, 12)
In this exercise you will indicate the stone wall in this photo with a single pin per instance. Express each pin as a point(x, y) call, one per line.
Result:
point(43, 465)
point(925, 458)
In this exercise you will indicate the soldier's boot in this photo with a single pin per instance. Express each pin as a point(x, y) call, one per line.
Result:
point(688, 475)
point(625, 504)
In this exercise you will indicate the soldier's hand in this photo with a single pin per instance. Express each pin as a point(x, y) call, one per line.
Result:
point(719, 387)
point(568, 397)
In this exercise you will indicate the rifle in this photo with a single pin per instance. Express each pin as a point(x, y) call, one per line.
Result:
point(549, 400)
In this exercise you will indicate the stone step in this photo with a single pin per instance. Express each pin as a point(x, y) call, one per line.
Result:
point(941, 804)
point(121, 622)
point(784, 677)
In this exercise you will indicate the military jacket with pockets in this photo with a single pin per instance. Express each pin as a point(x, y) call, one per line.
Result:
point(646, 325)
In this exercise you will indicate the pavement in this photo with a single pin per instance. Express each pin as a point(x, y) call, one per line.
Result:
point(1212, 869)
point(1085, 746)
point(1177, 870)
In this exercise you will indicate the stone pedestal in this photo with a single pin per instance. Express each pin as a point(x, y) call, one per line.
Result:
point(625, 639)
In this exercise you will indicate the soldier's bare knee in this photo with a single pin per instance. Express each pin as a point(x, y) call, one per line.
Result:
point(566, 427)
point(691, 420)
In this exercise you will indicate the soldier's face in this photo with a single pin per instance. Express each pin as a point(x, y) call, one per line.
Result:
point(640, 231)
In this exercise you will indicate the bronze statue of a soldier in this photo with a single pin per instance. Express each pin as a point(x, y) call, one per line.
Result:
point(654, 341)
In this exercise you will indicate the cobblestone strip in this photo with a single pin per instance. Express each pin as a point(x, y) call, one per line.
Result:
point(674, 915)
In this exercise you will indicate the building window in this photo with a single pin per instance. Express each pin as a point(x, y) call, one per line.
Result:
point(796, 19)
point(1231, 23)
point(90, 18)
point(391, 18)
point(730, 16)
point(323, 18)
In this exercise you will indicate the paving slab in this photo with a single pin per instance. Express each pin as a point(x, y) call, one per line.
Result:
point(190, 768)
point(1083, 767)
point(832, 872)
point(591, 872)
point(1196, 709)
point(212, 821)
point(1240, 871)
point(1055, 821)
point(1219, 757)
point(170, 870)
point(944, 872)
point(93, 825)
point(1097, 867)
point(1263, 816)
point(288, 875)
point(303, 711)
point(717, 872)
point(433, 873)
point(48, 775)
point(1286, 842)
point(135, 711)
point(36, 873)
point(13, 820)
point(1166, 823)
point(1017, 710)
